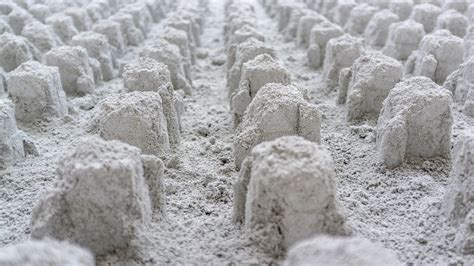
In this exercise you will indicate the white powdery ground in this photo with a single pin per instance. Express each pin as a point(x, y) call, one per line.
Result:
point(399, 208)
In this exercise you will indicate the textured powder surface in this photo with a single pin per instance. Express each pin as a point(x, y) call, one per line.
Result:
point(400, 209)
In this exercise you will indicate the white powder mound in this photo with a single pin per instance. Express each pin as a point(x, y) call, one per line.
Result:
point(243, 34)
point(141, 16)
point(341, 52)
point(415, 121)
point(79, 17)
point(4, 27)
point(359, 18)
point(180, 39)
point(372, 77)
point(318, 38)
point(145, 74)
point(37, 92)
point(402, 8)
point(136, 118)
point(459, 198)
point(285, 10)
point(453, 21)
point(403, 39)
point(132, 34)
point(41, 36)
point(426, 14)
point(111, 29)
point(376, 32)
point(327, 250)
point(40, 12)
point(305, 24)
point(460, 84)
point(169, 54)
point(255, 74)
point(342, 11)
point(15, 51)
point(45, 252)
point(11, 139)
point(97, 47)
point(63, 26)
point(245, 52)
point(18, 18)
point(74, 67)
point(277, 214)
point(438, 55)
point(100, 199)
point(277, 110)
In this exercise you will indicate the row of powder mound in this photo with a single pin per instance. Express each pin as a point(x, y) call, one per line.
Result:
point(110, 186)
point(286, 191)
point(38, 71)
point(373, 84)
point(38, 89)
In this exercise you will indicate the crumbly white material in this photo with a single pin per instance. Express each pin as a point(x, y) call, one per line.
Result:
point(277, 110)
point(372, 77)
point(100, 199)
point(341, 52)
point(46, 252)
point(326, 250)
point(74, 67)
point(415, 121)
point(36, 91)
point(286, 192)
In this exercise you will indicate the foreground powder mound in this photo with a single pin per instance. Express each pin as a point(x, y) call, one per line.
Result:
point(460, 84)
point(15, 51)
point(63, 25)
point(415, 121)
point(341, 52)
point(376, 32)
point(112, 31)
point(169, 54)
point(100, 199)
point(438, 55)
point(372, 77)
point(286, 192)
point(36, 92)
point(97, 47)
point(327, 250)
point(45, 252)
point(426, 14)
point(245, 52)
point(453, 21)
point(403, 39)
point(359, 18)
point(11, 139)
point(41, 36)
point(255, 74)
point(459, 198)
point(76, 73)
point(277, 110)
point(318, 38)
point(135, 118)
